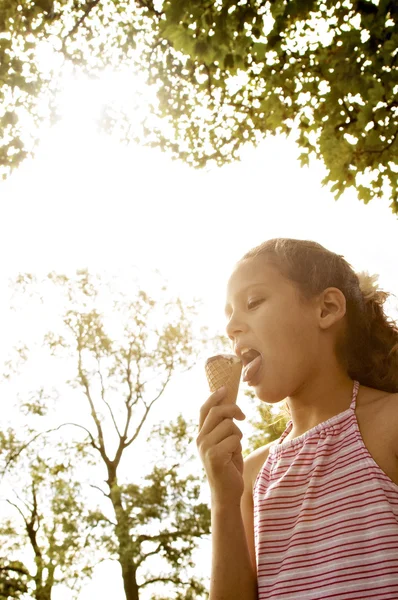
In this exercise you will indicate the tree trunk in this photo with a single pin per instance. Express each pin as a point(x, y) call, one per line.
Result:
point(126, 550)
point(129, 580)
point(40, 593)
point(48, 587)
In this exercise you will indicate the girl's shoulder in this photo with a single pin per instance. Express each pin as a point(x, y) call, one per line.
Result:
point(389, 412)
point(254, 461)
point(377, 415)
point(374, 402)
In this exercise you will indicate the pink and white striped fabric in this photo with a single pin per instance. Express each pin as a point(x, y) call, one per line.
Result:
point(325, 517)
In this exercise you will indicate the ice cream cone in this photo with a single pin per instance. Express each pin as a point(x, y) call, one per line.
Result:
point(224, 369)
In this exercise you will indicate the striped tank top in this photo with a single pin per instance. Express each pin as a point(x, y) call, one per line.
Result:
point(325, 517)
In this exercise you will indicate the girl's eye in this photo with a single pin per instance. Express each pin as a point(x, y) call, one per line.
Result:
point(253, 303)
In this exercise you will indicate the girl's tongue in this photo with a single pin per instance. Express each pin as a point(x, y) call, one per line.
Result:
point(252, 368)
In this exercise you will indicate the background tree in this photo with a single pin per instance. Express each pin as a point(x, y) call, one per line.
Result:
point(118, 377)
point(13, 579)
point(49, 523)
point(220, 75)
point(168, 506)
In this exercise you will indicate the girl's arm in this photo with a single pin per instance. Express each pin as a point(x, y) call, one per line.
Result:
point(232, 574)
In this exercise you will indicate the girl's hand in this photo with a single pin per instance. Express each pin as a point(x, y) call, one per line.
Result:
point(220, 449)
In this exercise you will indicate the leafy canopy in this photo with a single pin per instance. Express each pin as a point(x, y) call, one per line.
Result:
point(225, 74)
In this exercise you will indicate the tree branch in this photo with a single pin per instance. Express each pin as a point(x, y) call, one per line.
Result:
point(80, 427)
point(15, 455)
point(148, 4)
point(30, 508)
point(98, 488)
point(145, 556)
point(174, 535)
point(209, 81)
point(103, 396)
point(20, 570)
point(147, 409)
point(128, 375)
point(175, 580)
point(171, 368)
point(35, 513)
point(129, 405)
point(18, 509)
point(86, 11)
point(97, 422)
point(380, 150)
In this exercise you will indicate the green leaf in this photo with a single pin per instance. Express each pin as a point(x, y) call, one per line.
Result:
point(304, 159)
point(259, 50)
point(201, 48)
point(183, 41)
point(174, 10)
point(278, 8)
point(229, 61)
point(364, 193)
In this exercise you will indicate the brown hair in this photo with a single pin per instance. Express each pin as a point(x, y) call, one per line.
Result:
point(368, 348)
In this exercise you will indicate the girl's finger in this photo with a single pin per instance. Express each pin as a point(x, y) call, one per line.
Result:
point(212, 400)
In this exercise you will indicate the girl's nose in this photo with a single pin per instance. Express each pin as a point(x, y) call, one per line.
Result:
point(235, 326)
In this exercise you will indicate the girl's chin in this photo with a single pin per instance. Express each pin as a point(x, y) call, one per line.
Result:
point(265, 395)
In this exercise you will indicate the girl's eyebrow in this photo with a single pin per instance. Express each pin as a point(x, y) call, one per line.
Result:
point(252, 285)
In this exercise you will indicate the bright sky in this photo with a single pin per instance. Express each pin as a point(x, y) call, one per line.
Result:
point(88, 201)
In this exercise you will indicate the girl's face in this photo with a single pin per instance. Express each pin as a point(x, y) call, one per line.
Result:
point(265, 313)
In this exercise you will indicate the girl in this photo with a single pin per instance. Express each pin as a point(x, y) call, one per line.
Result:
point(313, 515)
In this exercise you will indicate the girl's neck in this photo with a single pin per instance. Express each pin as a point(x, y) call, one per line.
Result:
point(319, 400)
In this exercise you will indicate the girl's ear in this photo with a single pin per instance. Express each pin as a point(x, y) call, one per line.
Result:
point(332, 307)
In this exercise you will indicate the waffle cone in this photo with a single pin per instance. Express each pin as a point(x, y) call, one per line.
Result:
point(224, 369)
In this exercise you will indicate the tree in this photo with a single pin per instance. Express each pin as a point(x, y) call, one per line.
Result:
point(120, 378)
point(49, 522)
point(225, 74)
point(168, 503)
point(13, 579)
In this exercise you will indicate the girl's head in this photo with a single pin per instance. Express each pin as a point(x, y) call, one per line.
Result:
point(305, 309)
